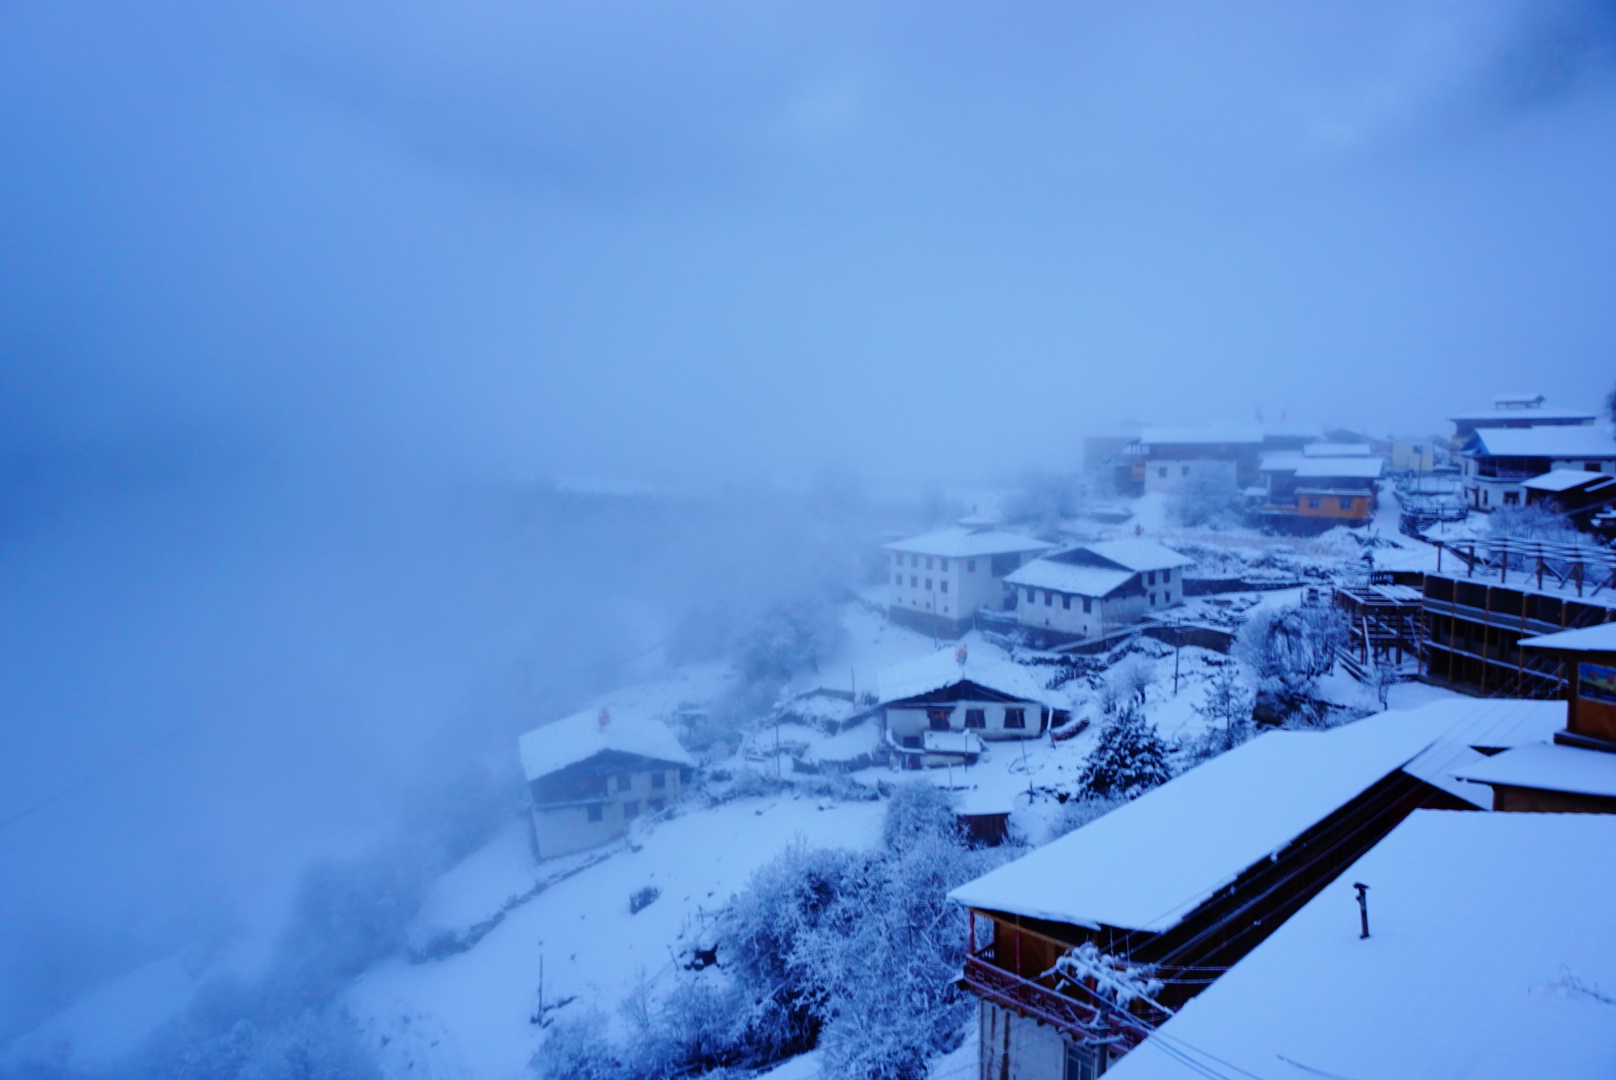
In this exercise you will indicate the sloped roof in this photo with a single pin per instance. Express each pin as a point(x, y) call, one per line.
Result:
point(1601, 638)
point(942, 669)
point(1147, 864)
point(1548, 767)
point(1485, 939)
point(1566, 479)
point(1357, 468)
point(1139, 554)
point(1335, 449)
point(1488, 723)
point(1190, 436)
point(1281, 460)
point(1070, 578)
point(1533, 414)
point(1557, 441)
point(958, 542)
point(581, 736)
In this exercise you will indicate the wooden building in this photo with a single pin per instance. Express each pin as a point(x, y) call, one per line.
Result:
point(1486, 595)
point(1180, 883)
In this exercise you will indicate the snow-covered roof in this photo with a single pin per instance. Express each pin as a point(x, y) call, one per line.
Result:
point(960, 542)
point(1601, 638)
point(1566, 479)
point(1550, 767)
point(1069, 578)
point(1488, 723)
point(582, 735)
point(943, 669)
point(1147, 864)
point(1139, 554)
point(1534, 414)
point(1335, 449)
point(1358, 468)
point(1187, 436)
point(1281, 460)
point(1489, 957)
point(1552, 441)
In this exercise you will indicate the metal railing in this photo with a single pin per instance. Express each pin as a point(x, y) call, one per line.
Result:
point(1585, 569)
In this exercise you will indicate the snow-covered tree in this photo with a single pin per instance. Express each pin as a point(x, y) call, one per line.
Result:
point(917, 811)
point(1290, 649)
point(1111, 977)
point(789, 638)
point(1226, 712)
point(1129, 759)
point(1208, 495)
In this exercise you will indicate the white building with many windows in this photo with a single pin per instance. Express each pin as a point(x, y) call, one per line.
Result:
point(940, 709)
point(938, 581)
point(1087, 591)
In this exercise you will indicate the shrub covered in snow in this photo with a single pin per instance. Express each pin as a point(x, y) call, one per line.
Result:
point(788, 638)
point(1226, 712)
point(917, 811)
point(1208, 496)
point(1535, 522)
point(1129, 759)
point(1290, 649)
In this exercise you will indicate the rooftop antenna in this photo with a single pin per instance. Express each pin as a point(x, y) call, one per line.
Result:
point(1363, 907)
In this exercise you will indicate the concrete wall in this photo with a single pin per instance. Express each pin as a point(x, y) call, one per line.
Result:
point(1012, 1047)
point(1169, 475)
point(915, 721)
point(564, 829)
point(947, 588)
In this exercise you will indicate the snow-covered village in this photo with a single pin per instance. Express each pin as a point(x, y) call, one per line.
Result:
point(700, 541)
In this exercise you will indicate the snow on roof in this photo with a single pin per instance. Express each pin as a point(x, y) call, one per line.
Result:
point(1147, 864)
point(1068, 578)
point(1550, 767)
point(581, 736)
point(1358, 468)
point(1139, 554)
point(1281, 460)
point(1183, 436)
point(1490, 724)
point(1503, 415)
point(1335, 449)
point(1565, 479)
point(1435, 991)
point(943, 669)
point(959, 542)
point(1601, 638)
point(1553, 441)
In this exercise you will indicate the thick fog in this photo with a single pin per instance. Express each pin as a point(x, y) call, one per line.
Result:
point(380, 380)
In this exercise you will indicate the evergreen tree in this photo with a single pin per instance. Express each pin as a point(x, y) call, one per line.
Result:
point(1129, 760)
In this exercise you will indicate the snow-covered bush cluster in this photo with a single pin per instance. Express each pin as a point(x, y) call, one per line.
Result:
point(1208, 496)
point(852, 952)
point(1535, 522)
point(1289, 650)
point(1226, 712)
point(1129, 759)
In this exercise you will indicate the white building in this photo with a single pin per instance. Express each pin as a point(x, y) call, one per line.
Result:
point(938, 581)
point(1086, 591)
point(1498, 461)
point(591, 774)
point(938, 710)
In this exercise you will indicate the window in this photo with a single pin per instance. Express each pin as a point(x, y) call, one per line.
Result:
point(911, 742)
point(1162, 472)
point(1026, 594)
point(1167, 575)
point(928, 584)
point(914, 582)
point(928, 562)
point(1590, 466)
point(1346, 502)
point(1313, 504)
point(970, 566)
point(1152, 598)
point(659, 780)
point(937, 719)
point(597, 812)
point(1079, 1064)
point(914, 561)
point(897, 579)
point(1512, 498)
point(631, 809)
point(976, 718)
point(1150, 577)
point(942, 564)
point(1088, 605)
point(1185, 472)
point(943, 585)
point(1066, 603)
point(657, 805)
point(1015, 718)
point(624, 783)
point(1049, 598)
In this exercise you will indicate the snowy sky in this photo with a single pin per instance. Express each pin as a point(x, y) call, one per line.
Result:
point(287, 288)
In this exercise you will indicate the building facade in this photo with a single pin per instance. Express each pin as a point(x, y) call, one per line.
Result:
point(1088, 591)
point(938, 581)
